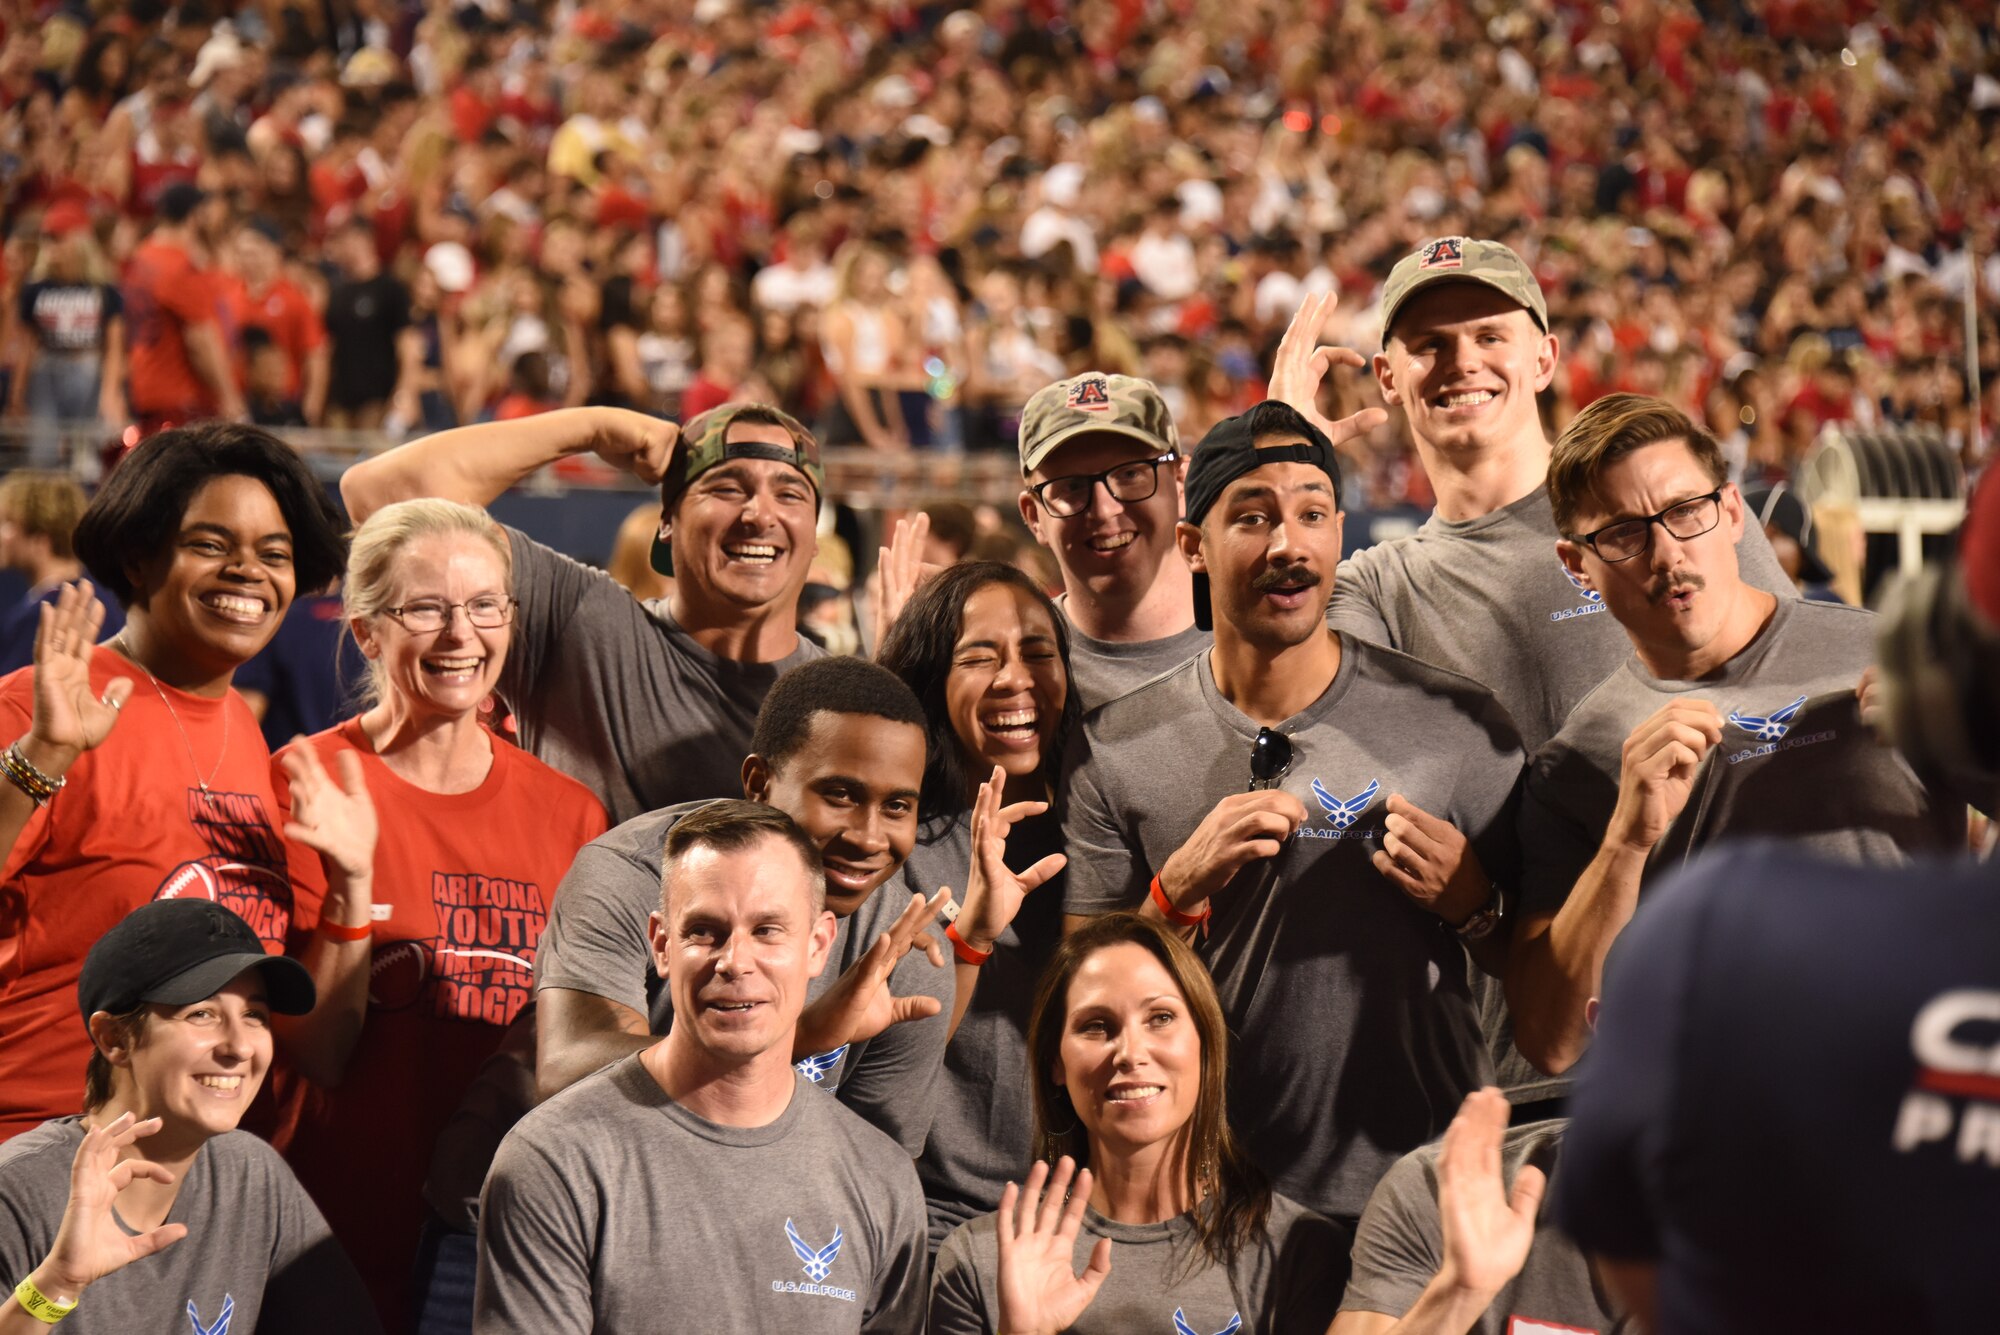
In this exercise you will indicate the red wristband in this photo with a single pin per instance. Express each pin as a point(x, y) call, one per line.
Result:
point(334, 931)
point(1172, 914)
point(966, 954)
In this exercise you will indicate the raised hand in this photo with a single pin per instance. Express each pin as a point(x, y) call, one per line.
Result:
point(899, 570)
point(859, 1005)
point(90, 1242)
point(993, 894)
point(1486, 1234)
point(335, 820)
point(1040, 1291)
point(1657, 772)
point(1431, 862)
point(639, 443)
point(69, 719)
point(1301, 363)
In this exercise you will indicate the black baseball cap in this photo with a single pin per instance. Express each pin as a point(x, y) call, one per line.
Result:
point(179, 951)
point(1230, 450)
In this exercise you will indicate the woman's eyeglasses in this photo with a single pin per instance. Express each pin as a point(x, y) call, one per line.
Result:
point(424, 618)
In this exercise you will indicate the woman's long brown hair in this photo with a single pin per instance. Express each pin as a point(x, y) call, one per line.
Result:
point(1235, 1197)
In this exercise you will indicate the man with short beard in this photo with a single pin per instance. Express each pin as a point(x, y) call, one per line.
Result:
point(1311, 803)
point(646, 704)
point(1734, 715)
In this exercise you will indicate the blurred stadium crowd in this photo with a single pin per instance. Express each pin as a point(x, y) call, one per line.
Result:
point(898, 220)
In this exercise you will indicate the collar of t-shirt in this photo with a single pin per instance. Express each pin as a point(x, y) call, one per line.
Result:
point(632, 1077)
point(1351, 652)
point(1532, 510)
point(1733, 673)
point(1122, 648)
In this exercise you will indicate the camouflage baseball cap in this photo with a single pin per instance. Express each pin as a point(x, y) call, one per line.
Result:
point(1094, 403)
point(704, 444)
point(1460, 259)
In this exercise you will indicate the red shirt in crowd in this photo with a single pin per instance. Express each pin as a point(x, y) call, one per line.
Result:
point(165, 292)
point(462, 889)
point(131, 825)
point(286, 314)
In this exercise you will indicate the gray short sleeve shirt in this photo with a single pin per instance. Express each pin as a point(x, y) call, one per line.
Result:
point(1286, 1281)
point(613, 1208)
point(1357, 1026)
point(596, 942)
point(616, 693)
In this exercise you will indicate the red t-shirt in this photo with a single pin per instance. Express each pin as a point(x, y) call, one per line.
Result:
point(165, 293)
point(130, 826)
point(462, 889)
point(287, 315)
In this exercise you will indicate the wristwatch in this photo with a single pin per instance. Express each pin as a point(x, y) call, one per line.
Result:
point(1482, 924)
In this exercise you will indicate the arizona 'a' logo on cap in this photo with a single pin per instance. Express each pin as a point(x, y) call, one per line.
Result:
point(1092, 394)
point(1447, 252)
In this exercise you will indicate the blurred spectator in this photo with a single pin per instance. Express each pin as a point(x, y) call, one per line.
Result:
point(180, 364)
point(38, 512)
point(631, 561)
point(69, 354)
point(725, 370)
point(365, 310)
point(863, 340)
point(260, 296)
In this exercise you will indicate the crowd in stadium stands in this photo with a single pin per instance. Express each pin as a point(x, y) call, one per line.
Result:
point(1568, 915)
point(896, 221)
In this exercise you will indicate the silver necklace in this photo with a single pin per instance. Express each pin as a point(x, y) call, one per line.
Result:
point(159, 690)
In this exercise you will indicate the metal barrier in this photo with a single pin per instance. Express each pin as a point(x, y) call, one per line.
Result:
point(1901, 480)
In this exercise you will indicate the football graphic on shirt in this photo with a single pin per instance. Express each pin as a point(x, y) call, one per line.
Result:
point(256, 894)
point(396, 978)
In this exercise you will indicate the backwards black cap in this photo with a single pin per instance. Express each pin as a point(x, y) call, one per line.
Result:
point(180, 951)
point(1230, 450)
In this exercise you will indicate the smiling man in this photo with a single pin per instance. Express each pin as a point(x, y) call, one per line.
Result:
point(645, 704)
point(839, 747)
point(1734, 714)
point(1307, 798)
point(701, 1183)
point(1102, 472)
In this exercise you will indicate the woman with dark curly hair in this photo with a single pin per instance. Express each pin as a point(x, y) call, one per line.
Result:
point(988, 656)
point(205, 534)
point(1169, 1224)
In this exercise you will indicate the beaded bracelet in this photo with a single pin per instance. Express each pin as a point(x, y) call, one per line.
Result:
point(21, 772)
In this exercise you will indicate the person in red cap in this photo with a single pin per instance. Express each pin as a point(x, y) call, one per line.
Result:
point(180, 362)
point(70, 357)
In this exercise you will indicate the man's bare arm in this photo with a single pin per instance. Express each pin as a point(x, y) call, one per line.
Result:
point(578, 1033)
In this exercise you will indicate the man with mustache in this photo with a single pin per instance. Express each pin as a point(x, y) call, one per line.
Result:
point(1735, 715)
point(1309, 806)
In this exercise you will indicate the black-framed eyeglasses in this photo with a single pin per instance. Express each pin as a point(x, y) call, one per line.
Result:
point(1629, 537)
point(488, 612)
point(1270, 758)
point(1068, 497)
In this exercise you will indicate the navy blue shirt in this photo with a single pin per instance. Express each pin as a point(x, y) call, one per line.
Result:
point(1793, 1100)
point(308, 672)
point(21, 615)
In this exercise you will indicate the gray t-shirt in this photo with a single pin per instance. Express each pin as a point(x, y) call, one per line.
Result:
point(1795, 761)
point(1103, 670)
point(1489, 598)
point(1400, 1247)
point(1288, 1280)
point(617, 695)
point(257, 1254)
point(982, 1127)
point(1357, 1034)
point(613, 1208)
point(596, 942)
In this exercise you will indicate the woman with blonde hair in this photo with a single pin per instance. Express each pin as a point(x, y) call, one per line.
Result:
point(474, 835)
point(863, 339)
point(1168, 1225)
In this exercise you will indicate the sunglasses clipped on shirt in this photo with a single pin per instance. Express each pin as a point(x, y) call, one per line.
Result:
point(1270, 759)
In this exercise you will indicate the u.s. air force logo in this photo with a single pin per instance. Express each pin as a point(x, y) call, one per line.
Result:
point(1593, 601)
point(817, 1067)
point(1341, 812)
point(818, 1265)
point(1773, 730)
point(1182, 1326)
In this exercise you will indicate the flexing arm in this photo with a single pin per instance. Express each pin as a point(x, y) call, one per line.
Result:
point(1557, 961)
point(476, 464)
point(578, 1033)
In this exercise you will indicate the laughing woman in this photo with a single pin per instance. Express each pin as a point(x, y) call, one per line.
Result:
point(205, 534)
point(1169, 1225)
point(151, 1211)
point(987, 654)
point(474, 835)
